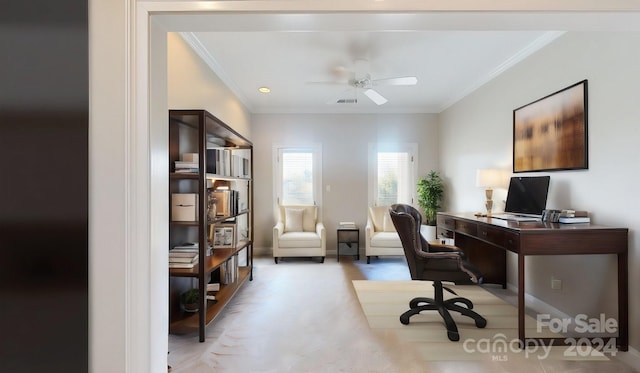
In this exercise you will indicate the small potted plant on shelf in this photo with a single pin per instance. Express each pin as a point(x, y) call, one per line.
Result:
point(189, 300)
point(430, 192)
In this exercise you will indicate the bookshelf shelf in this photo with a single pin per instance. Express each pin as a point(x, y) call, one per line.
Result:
point(195, 138)
point(212, 262)
point(187, 322)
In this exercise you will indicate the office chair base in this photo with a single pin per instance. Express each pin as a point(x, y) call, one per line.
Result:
point(458, 304)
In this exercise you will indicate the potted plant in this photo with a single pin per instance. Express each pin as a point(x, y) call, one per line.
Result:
point(189, 300)
point(430, 191)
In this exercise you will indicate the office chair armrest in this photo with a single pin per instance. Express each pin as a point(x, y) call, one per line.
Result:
point(440, 255)
point(438, 247)
point(474, 274)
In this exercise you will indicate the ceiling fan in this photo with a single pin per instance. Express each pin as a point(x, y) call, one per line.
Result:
point(363, 82)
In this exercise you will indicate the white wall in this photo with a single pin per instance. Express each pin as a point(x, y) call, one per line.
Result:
point(107, 187)
point(192, 85)
point(344, 140)
point(477, 133)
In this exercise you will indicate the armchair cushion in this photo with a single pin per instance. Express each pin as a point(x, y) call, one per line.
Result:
point(309, 216)
point(387, 223)
point(293, 219)
point(300, 239)
point(386, 239)
point(381, 219)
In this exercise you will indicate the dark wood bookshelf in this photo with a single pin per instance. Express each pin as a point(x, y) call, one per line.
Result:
point(195, 131)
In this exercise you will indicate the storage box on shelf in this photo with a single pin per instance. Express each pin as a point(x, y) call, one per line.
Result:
point(224, 164)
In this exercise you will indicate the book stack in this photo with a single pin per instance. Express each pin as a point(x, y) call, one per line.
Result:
point(219, 161)
point(239, 166)
point(227, 201)
point(212, 289)
point(188, 163)
point(229, 271)
point(186, 167)
point(573, 216)
point(223, 162)
point(347, 225)
point(183, 258)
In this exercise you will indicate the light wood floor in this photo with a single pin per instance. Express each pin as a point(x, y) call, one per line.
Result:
point(304, 316)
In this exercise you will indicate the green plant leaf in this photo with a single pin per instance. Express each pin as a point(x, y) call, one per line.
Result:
point(430, 191)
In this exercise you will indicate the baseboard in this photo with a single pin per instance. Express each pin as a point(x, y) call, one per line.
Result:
point(539, 305)
point(631, 358)
point(262, 251)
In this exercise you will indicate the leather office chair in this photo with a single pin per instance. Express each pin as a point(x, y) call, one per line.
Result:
point(435, 263)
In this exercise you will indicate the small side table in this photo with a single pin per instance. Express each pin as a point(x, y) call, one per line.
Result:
point(348, 240)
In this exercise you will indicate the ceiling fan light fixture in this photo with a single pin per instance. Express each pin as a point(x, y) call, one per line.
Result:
point(375, 96)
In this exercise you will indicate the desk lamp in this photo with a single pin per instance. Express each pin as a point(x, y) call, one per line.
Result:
point(489, 179)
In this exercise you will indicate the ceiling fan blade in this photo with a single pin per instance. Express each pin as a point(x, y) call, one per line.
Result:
point(375, 96)
point(404, 80)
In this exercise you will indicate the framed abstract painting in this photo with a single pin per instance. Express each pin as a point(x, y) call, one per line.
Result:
point(551, 133)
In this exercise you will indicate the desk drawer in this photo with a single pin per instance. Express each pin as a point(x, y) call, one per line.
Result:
point(492, 235)
point(512, 241)
point(446, 222)
point(466, 227)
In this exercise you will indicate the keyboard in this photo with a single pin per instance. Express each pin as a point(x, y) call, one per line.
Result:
point(512, 217)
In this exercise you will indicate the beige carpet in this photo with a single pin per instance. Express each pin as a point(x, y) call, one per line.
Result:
point(301, 316)
point(384, 301)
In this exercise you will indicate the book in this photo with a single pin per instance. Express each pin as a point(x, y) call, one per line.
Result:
point(347, 225)
point(180, 164)
point(182, 256)
point(185, 248)
point(573, 213)
point(577, 219)
point(189, 260)
point(182, 265)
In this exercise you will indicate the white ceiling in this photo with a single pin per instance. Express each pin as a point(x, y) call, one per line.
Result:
point(450, 54)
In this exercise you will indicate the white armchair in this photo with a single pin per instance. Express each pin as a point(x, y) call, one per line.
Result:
point(381, 237)
point(299, 233)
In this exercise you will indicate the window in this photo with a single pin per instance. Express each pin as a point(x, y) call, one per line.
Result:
point(392, 173)
point(298, 178)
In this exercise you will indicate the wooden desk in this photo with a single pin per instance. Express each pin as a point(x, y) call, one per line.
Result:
point(486, 240)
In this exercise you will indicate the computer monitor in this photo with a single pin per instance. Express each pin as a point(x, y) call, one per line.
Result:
point(527, 195)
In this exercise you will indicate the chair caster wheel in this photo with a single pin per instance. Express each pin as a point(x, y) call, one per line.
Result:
point(404, 320)
point(481, 323)
point(453, 336)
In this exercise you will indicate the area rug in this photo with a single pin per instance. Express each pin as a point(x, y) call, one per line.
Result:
point(384, 301)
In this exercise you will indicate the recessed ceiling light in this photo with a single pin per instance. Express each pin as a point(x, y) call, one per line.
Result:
point(264, 90)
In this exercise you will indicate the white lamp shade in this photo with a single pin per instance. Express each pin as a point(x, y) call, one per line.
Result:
point(491, 178)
